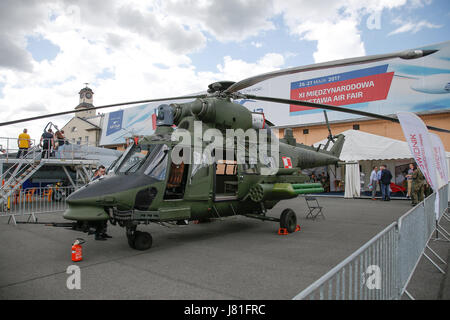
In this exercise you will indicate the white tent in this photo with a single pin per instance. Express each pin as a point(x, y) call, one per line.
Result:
point(362, 146)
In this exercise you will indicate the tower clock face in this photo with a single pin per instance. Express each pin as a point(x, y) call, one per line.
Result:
point(88, 95)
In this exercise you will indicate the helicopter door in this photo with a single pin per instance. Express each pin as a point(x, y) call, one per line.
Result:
point(199, 182)
point(226, 180)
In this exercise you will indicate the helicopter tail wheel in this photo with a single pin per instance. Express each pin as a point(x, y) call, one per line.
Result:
point(288, 222)
point(142, 241)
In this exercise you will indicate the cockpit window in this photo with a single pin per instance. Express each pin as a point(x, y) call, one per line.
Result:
point(158, 163)
point(116, 163)
point(132, 160)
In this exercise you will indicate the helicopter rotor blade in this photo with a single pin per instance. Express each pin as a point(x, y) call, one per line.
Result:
point(99, 107)
point(408, 54)
point(329, 107)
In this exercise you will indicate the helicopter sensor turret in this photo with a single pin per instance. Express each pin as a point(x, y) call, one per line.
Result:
point(164, 116)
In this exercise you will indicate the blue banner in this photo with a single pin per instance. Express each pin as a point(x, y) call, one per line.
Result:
point(114, 122)
point(340, 77)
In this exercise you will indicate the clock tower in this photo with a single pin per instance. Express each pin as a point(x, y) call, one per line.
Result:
point(86, 102)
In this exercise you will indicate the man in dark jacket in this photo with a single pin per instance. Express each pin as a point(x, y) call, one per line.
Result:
point(47, 143)
point(386, 177)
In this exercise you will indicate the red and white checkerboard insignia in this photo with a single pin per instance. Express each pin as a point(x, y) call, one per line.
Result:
point(287, 162)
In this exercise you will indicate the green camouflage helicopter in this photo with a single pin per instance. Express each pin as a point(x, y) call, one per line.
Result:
point(146, 185)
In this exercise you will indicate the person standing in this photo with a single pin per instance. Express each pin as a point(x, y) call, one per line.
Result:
point(47, 143)
point(23, 143)
point(101, 226)
point(386, 177)
point(373, 182)
point(427, 191)
point(409, 179)
point(60, 139)
point(379, 177)
point(418, 187)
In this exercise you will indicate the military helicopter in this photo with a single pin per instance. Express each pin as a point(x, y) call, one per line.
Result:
point(146, 185)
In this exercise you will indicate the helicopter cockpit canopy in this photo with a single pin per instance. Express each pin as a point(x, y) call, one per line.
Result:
point(149, 158)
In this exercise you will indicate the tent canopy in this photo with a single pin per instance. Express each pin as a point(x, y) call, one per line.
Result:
point(361, 145)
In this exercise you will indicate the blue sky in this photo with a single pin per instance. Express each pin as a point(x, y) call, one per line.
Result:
point(132, 50)
point(41, 49)
point(300, 52)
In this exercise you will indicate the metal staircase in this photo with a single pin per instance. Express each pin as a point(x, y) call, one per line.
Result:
point(15, 176)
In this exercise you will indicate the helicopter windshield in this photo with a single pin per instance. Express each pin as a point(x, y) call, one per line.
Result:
point(115, 164)
point(153, 157)
point(158, 162)
point(133, 160)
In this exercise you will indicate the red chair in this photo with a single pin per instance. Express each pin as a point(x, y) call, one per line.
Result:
point(396, 188)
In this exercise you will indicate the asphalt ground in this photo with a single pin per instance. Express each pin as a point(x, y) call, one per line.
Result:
point(236, 258)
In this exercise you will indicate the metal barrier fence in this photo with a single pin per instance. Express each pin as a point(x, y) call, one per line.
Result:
point(383, 267)
point(30, 201)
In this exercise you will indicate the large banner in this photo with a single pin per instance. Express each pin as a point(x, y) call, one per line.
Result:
point(134, 121)
point(384, 87)
point(364, 85)
point(440, 160)
point(421, 146)
point(419, 141)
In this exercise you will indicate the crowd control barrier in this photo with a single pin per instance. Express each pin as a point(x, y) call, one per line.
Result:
point(31, 201)
point(382, 268)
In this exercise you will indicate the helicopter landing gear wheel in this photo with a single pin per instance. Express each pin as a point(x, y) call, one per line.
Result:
point(139, 240)
point(142, 240)
point(288, 220)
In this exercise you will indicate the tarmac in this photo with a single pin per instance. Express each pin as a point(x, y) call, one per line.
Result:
point(235, 258)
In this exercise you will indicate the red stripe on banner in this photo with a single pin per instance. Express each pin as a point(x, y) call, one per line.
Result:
point(365, 89)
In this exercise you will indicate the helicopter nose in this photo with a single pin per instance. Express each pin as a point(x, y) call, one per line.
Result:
point(88, 203)
point(95, 194)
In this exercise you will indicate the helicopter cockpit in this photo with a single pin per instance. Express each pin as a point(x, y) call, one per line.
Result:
point(149, 159)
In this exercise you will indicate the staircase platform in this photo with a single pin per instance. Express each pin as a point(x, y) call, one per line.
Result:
point(52, 161)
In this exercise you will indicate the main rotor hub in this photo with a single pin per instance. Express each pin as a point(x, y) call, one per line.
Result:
point(220, 86)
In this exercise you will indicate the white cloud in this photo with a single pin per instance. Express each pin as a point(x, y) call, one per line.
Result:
point(236, 70)
point(335, 40)
point(334, 25)
point(232, 20)
point(256, 44)
point(414, 27)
